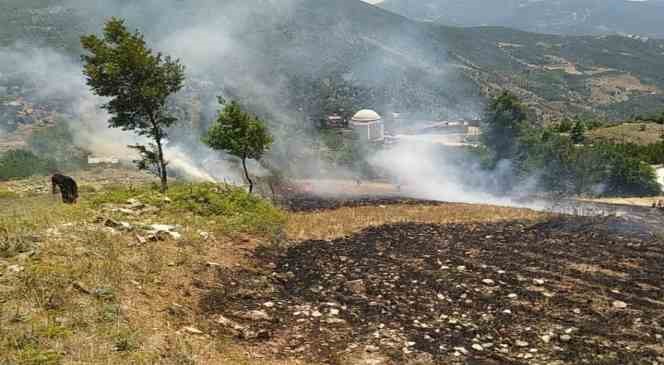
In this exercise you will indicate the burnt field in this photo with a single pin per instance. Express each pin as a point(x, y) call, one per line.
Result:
point(565, 290)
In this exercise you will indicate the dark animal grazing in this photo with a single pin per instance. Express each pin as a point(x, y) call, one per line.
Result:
point(67, 187)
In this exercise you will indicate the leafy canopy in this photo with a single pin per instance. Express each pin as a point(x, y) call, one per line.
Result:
point(121, 66)
point(504, 123)
point(239, 133)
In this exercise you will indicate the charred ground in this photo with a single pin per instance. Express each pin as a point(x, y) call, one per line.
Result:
point(556, 291)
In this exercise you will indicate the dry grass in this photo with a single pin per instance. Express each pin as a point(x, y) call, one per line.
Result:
point(340, 222)
point(639, 133)
point(85, 296)
point(73, 293)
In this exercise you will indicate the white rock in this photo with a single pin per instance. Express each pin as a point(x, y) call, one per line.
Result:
point(488, 281)
point(546, 338)
point(268, 304)
point(461, 268)
point(15, 269)
point(334, 312)
point(193, 330)
point(512, 296)
point(461, 350)
point(478, 347)
point(538, 281)
point(619, 305)
point(316, 314)
point(565, 338)
point(522, 343)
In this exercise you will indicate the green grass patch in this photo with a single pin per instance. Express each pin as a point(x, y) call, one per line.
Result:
point(232, 207)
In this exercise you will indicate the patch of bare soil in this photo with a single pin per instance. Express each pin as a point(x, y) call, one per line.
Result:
point(567, 291)
point(617, 88)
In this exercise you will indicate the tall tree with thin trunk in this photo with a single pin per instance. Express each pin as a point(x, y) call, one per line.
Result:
point(138, 83)
point(240, 134)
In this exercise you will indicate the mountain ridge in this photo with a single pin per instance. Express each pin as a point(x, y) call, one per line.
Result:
point(422, 64)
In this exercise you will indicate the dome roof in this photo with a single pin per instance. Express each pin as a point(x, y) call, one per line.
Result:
point(366, 115)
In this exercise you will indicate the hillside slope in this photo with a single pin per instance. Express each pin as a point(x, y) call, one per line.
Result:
point(416, 66)
point(571, 17)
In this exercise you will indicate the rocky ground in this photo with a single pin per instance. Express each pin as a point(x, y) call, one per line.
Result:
point(566, 291)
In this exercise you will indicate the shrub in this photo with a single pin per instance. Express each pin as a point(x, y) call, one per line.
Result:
point(632, 177)
point(57, 143)
point(19, 164)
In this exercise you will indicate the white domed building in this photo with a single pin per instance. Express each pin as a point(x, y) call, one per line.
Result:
point(368, 125)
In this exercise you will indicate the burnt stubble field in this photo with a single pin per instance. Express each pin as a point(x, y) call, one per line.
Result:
point(559, 290)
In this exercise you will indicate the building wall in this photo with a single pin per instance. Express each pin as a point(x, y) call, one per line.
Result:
point(374, 131)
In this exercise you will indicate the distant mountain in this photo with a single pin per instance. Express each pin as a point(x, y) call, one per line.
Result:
point(416, 66)
point(571, 17)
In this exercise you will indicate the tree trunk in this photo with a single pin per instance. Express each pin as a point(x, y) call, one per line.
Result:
point(246, 175)
point(163, 176)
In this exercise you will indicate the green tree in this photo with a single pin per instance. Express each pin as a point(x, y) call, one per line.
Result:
point(632, 177)
point(504, 123)
point(57, 143)
point(240, 134)
point(120, 66)
point(19, 164)
point(578, 132)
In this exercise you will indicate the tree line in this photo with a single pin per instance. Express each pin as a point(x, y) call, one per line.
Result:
point(561, 158)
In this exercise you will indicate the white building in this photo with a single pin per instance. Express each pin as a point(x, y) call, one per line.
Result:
point(368, 125)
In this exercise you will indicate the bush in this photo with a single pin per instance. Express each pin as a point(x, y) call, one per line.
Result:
point(631, 177)
point(19, 164)
point(57, 143)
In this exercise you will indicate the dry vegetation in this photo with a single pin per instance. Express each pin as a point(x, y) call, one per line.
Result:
point(76, 291)
point(331, 224)
point(639, 133)
point(76, 287)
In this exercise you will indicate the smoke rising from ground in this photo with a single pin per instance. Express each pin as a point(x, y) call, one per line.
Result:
point(215, 40)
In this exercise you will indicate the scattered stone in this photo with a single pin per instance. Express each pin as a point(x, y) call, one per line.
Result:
point(141, 240)
point(619, 304)
point(121, 226)
point(371, 348)
point(256, 315)
point(461, 350)
point(521, 343)
point(538, 281)
point(193, 330)
point(161, 232)
point(546, 338)
point(565, 338)
point(478, 347)
point(512, 296)
point(15, 269)
point(488, 282)
point(334, 321)
point(357, 287)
